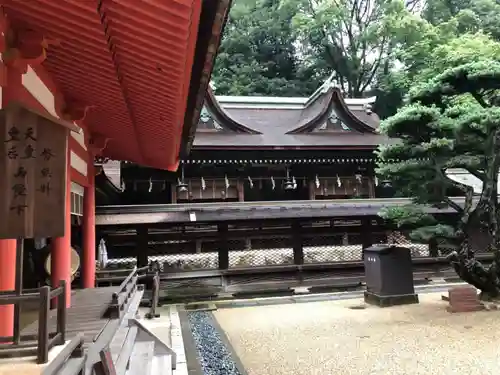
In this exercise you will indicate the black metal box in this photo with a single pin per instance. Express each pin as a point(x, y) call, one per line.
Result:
point(389, 276)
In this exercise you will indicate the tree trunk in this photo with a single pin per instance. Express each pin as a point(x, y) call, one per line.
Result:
point(473, 272)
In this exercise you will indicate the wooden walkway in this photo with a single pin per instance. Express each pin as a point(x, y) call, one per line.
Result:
point(86, 314)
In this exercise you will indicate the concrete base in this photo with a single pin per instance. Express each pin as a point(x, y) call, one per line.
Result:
point(386, 301)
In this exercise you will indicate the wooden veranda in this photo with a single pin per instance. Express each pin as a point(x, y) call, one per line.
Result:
point(88, 314)
point(93, 320)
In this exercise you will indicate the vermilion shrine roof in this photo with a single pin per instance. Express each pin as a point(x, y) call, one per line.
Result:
point(138, 69)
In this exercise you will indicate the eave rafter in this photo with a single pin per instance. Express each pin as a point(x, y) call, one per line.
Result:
point(123, 65)
point(122, 81)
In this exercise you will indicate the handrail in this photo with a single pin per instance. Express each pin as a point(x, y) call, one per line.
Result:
point(29, 293)
point(45, 341)
point(117, 275)
point(125, 282)
point(13, 292)
point(121, 270)
point(120, 299)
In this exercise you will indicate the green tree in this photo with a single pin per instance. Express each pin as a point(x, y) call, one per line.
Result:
point(468, 16)
point(257, 55)
point(451, 121)
point(356, 39)
point(448, 34)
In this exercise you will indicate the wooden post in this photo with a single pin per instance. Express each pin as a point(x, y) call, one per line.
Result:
point(298, 249)
point(19, 288)
point(43, 323)
point(371, 187)
point(11, 84)
point(173, 193)
point(224, 246)
point(366, 233)
point(240, 187)
point(142, 247)
point(433, 248)
point(89, 244)
point(7, 283)
point(312, 191)
point(60, 259)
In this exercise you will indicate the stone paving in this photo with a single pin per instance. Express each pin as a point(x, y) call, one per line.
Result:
point(343, 338)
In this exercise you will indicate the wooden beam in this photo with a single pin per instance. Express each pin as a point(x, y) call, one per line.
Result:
point(128, 239)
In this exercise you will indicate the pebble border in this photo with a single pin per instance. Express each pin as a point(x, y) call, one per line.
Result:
point(215, 353)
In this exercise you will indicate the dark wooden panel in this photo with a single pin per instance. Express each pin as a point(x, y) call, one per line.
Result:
point(33, 152)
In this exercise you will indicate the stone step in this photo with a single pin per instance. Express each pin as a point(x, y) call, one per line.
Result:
point(73, 366)
point(141, 359)
point(162, 365)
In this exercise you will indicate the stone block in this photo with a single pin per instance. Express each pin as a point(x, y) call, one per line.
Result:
point(464, 299)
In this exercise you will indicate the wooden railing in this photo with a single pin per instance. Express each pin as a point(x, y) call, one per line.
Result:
point(112, 276)
point(121, 299)
point(70, 361)
point(99, 354)
point(40, 344)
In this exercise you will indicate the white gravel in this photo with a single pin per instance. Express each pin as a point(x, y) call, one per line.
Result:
point(329, 338)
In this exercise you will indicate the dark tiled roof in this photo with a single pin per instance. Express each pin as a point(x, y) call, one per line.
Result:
point(291, 122)
point(278, 139)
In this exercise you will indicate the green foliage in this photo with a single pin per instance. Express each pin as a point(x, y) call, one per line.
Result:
point(382, 47)
point(451, 121)
point(407, 215)
point(257, 55)
point(355, 38)
point(465, 15)
point(426, 233)
point(467, 78)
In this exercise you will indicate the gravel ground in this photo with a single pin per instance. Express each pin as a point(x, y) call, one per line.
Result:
point(332, 338)
point(215, 358)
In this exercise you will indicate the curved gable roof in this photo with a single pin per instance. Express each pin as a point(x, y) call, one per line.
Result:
point(330, 100)
point(263, 122)
point(223, 118)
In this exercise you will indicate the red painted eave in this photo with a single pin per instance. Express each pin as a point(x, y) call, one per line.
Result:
point(128, 60)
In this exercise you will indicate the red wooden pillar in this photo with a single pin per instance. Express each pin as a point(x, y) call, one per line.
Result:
point(11, 82)
point(60, 267)
point(7, 282)
point(88, 261)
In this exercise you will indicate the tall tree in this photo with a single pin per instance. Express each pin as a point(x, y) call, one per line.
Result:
point(467, 15)
point(258, 56)
point(451, 121)
point(354, 38)
point(445, 36)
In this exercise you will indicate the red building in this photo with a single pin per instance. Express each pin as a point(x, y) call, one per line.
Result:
point(131, 74)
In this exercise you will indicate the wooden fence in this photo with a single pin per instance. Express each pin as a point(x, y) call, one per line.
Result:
point(40, 344)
